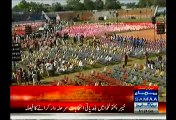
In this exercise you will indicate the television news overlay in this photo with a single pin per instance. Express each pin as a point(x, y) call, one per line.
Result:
point(72, 99)
point(86, 99)
point(89, 63)
point(146, 99)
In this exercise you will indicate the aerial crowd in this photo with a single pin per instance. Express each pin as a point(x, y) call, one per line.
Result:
point(63, 50)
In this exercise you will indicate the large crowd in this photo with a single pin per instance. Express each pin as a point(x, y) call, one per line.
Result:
point(52, 53)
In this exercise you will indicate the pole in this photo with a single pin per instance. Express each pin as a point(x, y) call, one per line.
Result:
point(164, 17)
point(146, 12)
point(96, 5)
point(117, 21)
point(154, 33)
point(140, 15)
point(54, 10)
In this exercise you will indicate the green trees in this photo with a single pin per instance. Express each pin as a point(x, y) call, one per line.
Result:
point(112, 4)
point(56, 7)
point(86, 5)
point(74, 5)
point(29, 7)
point(71, 5)
point(22, 6)
point(89, 5)
point(99, 5)
point(131, 5)
point(161, 3)
point(145, 3)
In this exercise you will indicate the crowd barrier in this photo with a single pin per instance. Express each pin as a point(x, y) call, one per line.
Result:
point(19, 29)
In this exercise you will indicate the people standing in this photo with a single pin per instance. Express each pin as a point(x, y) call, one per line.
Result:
point(146, 58)
point(74, 39)
point(19, 77)
point(34, 78)
point(13, 78)
point(25, 77)
point(126, 59)
point(38, 76)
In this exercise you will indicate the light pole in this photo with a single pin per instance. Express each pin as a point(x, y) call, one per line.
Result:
point(96, 4)
point(154, 32)
point(146, 8)
point(140, 14)
point(54, 1)
point(154, 23)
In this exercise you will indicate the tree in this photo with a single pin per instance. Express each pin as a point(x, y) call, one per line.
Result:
point(161, 3)
point(131, 5)
point(34, 7)
point(56, 7)
point(112, 4)
point(89, 5)
point(99, 5)
point(16, 8)
point(22, 6)
point(74, 5)
point(29, 7)
point(145, 3)
point(80, 6)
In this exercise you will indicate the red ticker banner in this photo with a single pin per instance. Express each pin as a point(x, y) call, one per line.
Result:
point(73, 99)
point(145, 87)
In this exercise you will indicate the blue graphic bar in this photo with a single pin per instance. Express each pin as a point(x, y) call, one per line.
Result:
point(146, 92)
point(145, 98)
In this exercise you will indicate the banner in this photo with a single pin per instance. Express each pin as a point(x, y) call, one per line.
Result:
point(73, 99)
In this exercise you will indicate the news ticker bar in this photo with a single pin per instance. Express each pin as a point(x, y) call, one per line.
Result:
point(75, 108)
point(104, 116)
point(85, 99)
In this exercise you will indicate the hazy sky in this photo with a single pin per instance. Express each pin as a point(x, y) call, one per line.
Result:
point(15, 2)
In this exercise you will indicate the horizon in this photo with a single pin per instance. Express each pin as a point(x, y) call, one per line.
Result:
point(63, 2)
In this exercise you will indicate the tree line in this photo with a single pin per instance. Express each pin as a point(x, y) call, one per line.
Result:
point(75, 5)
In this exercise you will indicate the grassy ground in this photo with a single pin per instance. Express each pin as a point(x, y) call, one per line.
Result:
point(130, 20)
point(99, 68)
point(114, 20)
